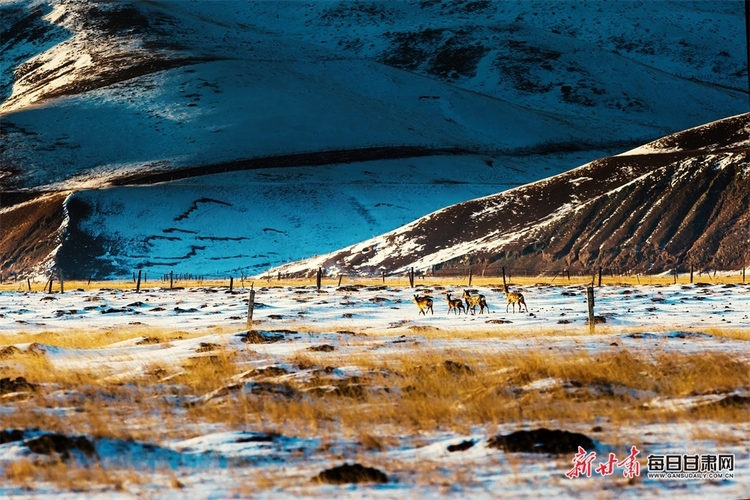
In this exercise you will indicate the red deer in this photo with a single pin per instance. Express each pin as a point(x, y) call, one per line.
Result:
point(515, 298)
point(455, 305)
point(424, 304)
point(472, 301)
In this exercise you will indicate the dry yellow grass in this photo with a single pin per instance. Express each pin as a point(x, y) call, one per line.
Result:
point(420, 389)
point(90, 478)
point(77, 338)
point(417, 390)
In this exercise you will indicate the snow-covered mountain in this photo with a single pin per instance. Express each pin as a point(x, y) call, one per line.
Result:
point(227, 137)
point(677, 202)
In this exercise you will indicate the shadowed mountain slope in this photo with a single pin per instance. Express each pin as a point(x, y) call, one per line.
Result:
point(680, 201)
point(316, 125)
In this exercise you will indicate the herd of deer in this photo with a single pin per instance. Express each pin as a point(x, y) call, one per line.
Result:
point(424, 303)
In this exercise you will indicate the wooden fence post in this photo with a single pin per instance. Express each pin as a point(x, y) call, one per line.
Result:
point(411, 277)
point(231, 284)
point(691, 273)
point(600, 276)
point(28, 282)
point(138, 283)
point(250, 306)
point(383, 275)
point(319, 279)
point(340, 276)
point(590, 301)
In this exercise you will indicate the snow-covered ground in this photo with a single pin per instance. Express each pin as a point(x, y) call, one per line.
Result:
point(355, 319)
point(375, 308)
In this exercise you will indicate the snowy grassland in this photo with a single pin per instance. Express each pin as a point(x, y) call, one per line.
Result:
point(350, 349)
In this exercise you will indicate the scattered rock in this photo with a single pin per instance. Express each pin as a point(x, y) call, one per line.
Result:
point(253, 337)
point(731, 401)
point(60, 444)
point(271, 371)
point(8, 385)
point(10, 436)
point(498, 321)
point(355, 473)
point(542, 440)
point(148, 340)
point(207, 347)
point(180, 310)
point(321, 348)
point(249, 388)
point(114, 310)
point(258, 438)
point(462, 446)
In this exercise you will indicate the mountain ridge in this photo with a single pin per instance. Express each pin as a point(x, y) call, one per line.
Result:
point(101, 100)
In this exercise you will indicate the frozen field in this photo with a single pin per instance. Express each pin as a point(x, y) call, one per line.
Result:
point(315, 341)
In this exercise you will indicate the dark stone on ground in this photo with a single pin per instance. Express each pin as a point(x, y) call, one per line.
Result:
point(542, 440)
point(321, 348)
point(60, 444)
point(10, 436)
point(731, 401)
point(253, 337)
point(462, 446)
point(258, 438)
point(355, 473)
point(8, 385)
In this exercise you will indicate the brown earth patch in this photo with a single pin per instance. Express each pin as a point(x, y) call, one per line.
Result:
point(354, 473)
point(60, 444)
point(554, 442)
